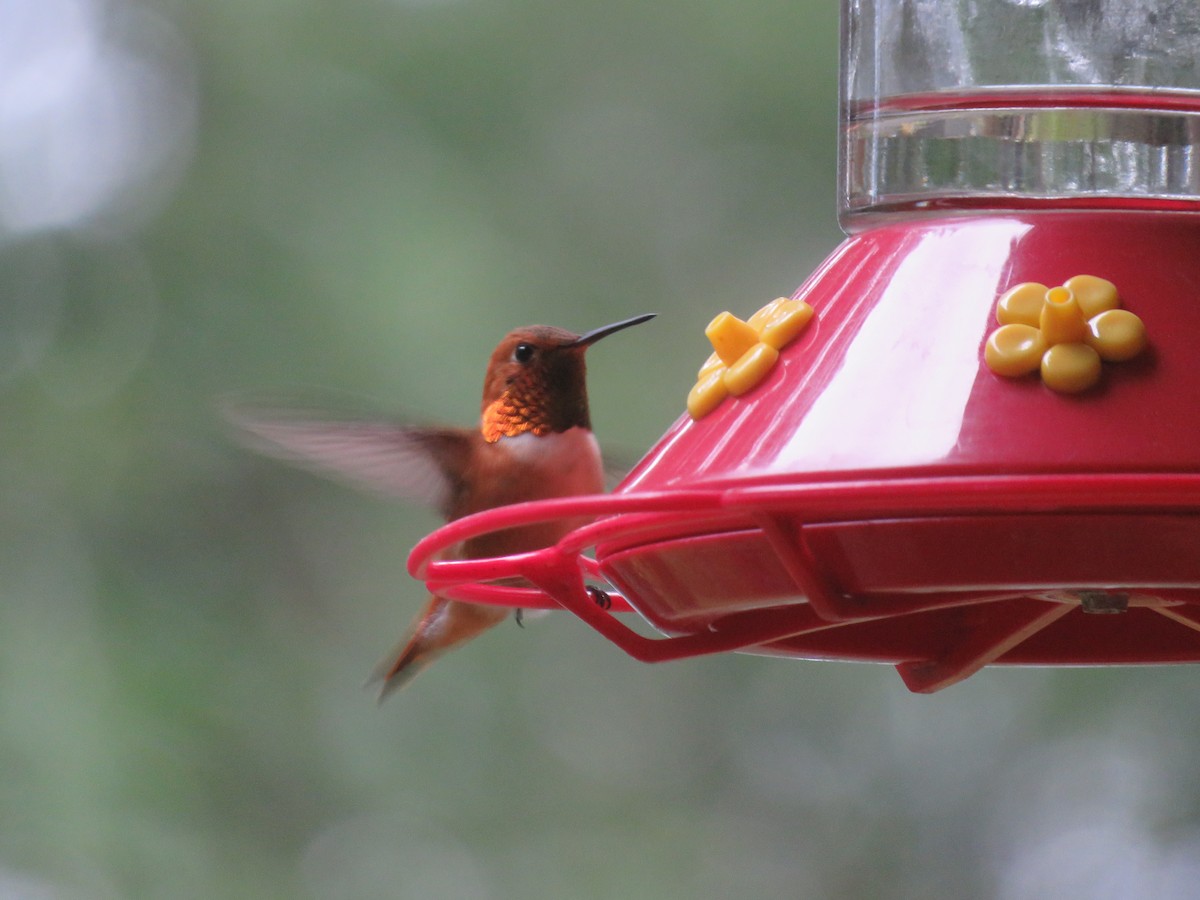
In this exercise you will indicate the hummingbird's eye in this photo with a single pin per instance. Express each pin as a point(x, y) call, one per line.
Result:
point(524, 353)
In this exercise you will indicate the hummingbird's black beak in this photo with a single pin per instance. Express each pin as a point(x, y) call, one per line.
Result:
point(585, 340)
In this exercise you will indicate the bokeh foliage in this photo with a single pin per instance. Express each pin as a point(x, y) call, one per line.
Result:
point(364, 196)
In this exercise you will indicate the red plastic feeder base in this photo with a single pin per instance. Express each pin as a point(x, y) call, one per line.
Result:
point(883, 496)
point(887, 587)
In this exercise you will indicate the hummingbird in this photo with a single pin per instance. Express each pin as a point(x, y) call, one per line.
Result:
point(533, 441)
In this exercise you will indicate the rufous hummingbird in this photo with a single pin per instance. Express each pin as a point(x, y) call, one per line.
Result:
point(534, 441)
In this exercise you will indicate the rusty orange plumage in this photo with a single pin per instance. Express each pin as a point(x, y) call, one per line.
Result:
point(533, 442)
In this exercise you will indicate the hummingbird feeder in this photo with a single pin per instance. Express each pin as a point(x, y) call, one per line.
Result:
point(972, 436)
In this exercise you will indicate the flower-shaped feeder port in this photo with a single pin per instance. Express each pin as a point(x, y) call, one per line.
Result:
point(1064, 331)
point(743, 352)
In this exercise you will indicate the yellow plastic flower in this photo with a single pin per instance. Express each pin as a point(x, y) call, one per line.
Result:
point(744, 351)
point(1065, 332)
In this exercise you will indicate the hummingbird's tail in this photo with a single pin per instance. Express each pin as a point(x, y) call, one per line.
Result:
point(441, 626)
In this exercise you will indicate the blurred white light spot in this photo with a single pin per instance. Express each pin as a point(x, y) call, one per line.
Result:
point(94, 103)
point(14, 886)
point(1103, 859)
point(1088, 817)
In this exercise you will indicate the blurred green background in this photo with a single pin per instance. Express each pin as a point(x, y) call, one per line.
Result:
point(364, 196)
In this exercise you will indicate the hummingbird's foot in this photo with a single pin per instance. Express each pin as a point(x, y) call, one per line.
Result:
point(519, 617)
point(599, 597)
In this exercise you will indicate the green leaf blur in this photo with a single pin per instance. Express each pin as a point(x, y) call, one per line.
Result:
point(363, 196)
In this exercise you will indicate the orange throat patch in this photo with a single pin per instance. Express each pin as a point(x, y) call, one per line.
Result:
point(507, 417)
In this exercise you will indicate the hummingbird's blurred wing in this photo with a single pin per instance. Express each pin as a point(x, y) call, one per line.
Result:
point(419, 464)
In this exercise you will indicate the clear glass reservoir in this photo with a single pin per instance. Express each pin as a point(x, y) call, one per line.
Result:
point(1018, 104)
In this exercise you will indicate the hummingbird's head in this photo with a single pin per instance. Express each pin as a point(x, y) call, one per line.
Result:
point(537, 380)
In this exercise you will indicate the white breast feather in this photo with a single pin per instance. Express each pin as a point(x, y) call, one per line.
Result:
point(572, 455)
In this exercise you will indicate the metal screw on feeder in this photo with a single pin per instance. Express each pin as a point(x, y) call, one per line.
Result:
point(879, 490)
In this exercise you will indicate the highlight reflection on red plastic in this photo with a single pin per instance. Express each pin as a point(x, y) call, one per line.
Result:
point(883, 496)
